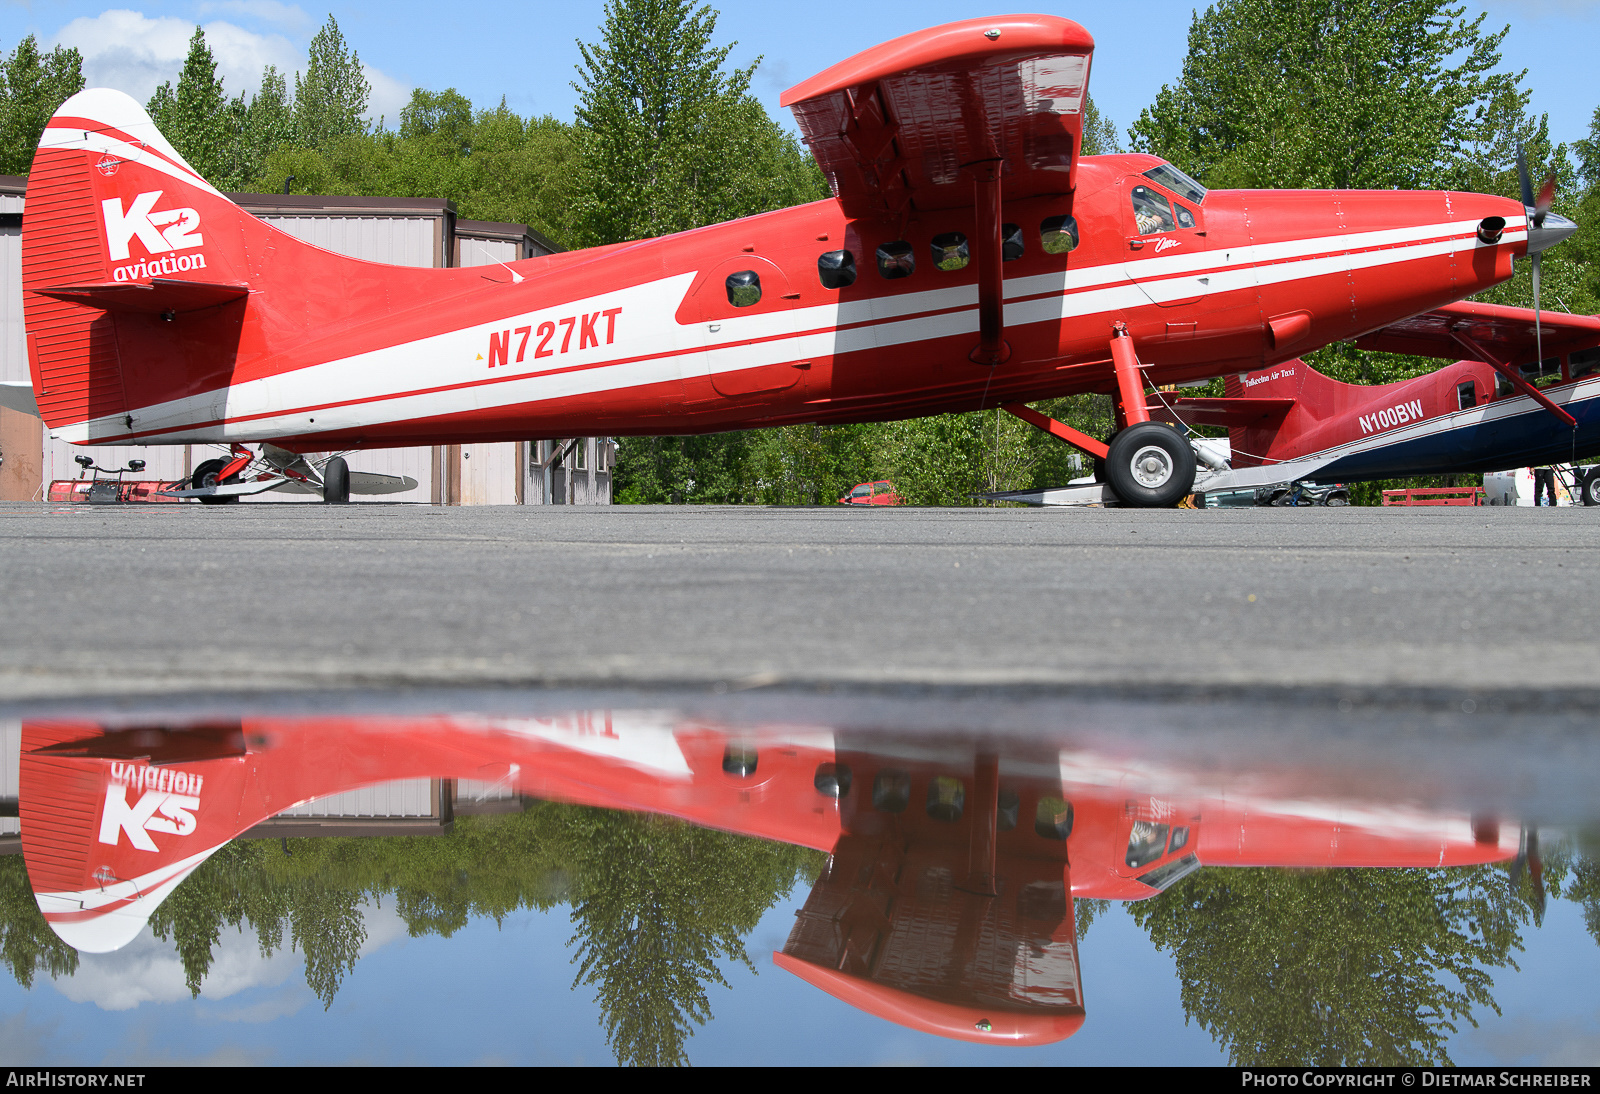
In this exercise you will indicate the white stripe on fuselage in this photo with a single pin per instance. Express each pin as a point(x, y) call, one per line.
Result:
point(392, 384)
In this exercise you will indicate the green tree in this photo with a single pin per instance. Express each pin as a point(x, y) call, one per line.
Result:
point(195, 117)
point(1336, 94)
point(668, 140)
point(32, 86)
point(331, 96)
point(1350, 967)
point(27, 944)
point(1099, 131)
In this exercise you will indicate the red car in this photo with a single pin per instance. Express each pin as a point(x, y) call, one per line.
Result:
point(871, 493)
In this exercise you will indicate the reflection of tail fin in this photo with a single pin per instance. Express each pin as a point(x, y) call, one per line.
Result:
point(106, 840)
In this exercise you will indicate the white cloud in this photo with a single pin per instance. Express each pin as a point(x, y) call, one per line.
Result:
point(148, 970)
point(289, 16)
point(135, 53)
point(388, 96)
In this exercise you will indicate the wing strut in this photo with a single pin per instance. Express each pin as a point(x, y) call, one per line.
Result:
point(1059, 430)
point(1516, 379)
point(991, 348)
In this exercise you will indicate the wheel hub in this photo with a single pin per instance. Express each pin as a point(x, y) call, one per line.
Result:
point(1152, 467)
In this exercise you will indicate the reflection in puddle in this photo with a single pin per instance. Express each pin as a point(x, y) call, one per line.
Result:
point(951, 878)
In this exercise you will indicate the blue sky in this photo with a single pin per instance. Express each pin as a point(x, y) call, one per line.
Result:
point(527, 52)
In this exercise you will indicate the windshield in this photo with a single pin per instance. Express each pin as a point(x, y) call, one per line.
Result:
point(1176, 181)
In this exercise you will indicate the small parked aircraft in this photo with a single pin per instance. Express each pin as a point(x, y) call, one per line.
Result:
point(969, 258)
point(1530, 396)
point(947, 901)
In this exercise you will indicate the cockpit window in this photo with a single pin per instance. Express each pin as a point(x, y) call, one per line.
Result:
point(1584, 362)
point(1185, 218)
point(1176, 181)
point(1151, 211)
point(1146, 843)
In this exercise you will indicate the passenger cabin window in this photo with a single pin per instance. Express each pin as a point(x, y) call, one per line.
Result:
point(1503, 386)
point(1176, 181)
point(1052, 818)
point(891, 791)
point(946, 796)
point(1011, 247)
point(1543, 373)
point(1151, 212)
point(1586, 362)
point(744, 288)
point(896, 260)
point(836, 269)
point(1058, 235)
point(950, 251)
point(1467, 395)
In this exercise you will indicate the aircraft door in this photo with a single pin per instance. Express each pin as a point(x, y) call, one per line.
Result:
point(1165, 244)
point(744, 306)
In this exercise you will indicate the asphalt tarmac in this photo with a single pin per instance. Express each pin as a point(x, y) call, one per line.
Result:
point(142, 599)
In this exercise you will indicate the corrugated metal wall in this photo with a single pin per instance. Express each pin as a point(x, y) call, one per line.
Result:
point(401, 798)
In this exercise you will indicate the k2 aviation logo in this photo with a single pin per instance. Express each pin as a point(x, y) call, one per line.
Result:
point(165, 806)
point(159, 231)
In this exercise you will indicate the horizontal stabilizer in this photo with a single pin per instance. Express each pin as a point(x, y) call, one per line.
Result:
point(18, 395)
point(162, 294)
point(1220, 412)
point(1508, 331)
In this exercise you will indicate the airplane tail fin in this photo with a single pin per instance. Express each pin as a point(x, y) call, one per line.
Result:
point(1316, 398)
point(120, 237)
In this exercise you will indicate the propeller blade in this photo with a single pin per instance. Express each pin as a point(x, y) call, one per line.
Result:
point(1547, 198)
point(1522, 177)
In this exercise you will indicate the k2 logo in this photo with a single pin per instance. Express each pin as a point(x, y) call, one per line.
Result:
point(139, 820)
point(159, 231)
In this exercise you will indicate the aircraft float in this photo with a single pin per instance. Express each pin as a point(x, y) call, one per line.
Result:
point(946, 902)
point(970, 257)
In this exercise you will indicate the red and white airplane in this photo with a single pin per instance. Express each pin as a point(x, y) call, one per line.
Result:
point(970, 257)
point(946, 904)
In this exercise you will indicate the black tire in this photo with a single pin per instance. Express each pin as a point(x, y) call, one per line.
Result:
point(1150, 466)
point(1099, 469)
point(336, 482)
point(206, 475)
point(1591, 488)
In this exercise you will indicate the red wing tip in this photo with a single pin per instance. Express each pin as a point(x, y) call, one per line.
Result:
point(949, 44)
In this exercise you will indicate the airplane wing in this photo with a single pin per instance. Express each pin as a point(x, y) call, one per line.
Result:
point(1501, 330)
point(896, 124)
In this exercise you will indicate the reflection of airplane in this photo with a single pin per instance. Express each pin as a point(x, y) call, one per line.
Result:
point(1505, 407)
point(946, 903)
point(969, 258)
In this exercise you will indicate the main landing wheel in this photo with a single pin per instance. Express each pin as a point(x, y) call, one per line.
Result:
point(1150, 466)
point(1591, 488)
point(336, 482)
point(206, 475)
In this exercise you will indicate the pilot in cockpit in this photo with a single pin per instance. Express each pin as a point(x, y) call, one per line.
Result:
point(1151, 212)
